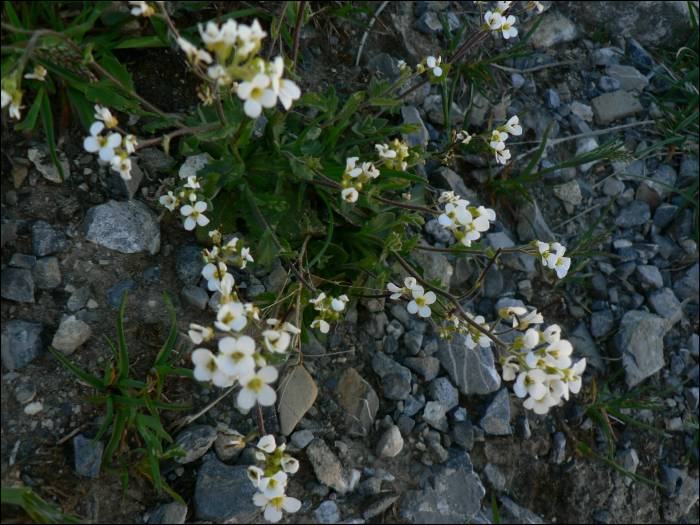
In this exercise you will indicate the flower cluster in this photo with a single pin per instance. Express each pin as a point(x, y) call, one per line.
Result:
point(235, 47)
point(499, 137)
point(458, 214)
point(552, 256)
point(394, 154)
point(142, 9)
point(270, 478)
point(189, 199)
point(12, 94)
point(432, 64)
point(496, 22)
point(544, 375)
point(111, 147)
point(420, 301)
point(461, 326)
point(355, 177)
point(328, 309)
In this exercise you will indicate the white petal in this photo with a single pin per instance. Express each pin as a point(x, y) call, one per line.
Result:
point(267, 396)
point(269, 99)
point(106, 154)
point(252, 108)
point(272, 514)
point(429, 298)
point(291, 504)
point(437, 71)
point(90, 144)
point(202, 220)
point(412, 307)
point(114, 140)
point(268, 374)
point(190, 224)
point(424, 311)
point(246, 399)
point(96, 128)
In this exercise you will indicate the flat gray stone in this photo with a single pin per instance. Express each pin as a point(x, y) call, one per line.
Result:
point(78, 299)
point(664, 303)
point(190, 264)
point(327, 512)
point(472, 370)
point(70, 335)
point(518, 513)
point(443, 391)
point(496, 420)
point(46, 240)
point(687, 284)
point(613, 106)
point(87, 460)
point(155, 159)
point(584, 345)
point(194, 441)
point(21, 343)
point(640, 342)
point(301, 438)
point(428, 367)
point(224, 494)
point(296, 392)
point(19, 260)
point(390, 444)
point(396, 378)
point(41, 157)
point(327, 466)
point(47, 273)
point(17, 285)
point(169, 513)
point(435, 265)
point(196, 296)
point(555, 29)
point(530, 216)
point(359, 400)
point(127, 227)
point(628, 77)
point(410, 116)
point(649, 276)
point(635, 214)
point(434, 415)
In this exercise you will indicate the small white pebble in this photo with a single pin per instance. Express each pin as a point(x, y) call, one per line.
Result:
point(92, 304)
point(33, 408)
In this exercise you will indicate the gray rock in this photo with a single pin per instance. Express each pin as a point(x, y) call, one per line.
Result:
point(193, 164)
point(410, 116)
point(155, 159)
point(531, 217)
point(21, 343)
point(523, 427)
point(440, 234)
point(635, 214)
point(405, 424)
point(688, 170)
point(517, 513)
point(602, 323)
point(434, 415)
point(628, 77)
point(442, 390)
point(375, 325)
point(259, 127)
point(195, 296)
point(224, 444)
point(629, 460)
point(428, 367)
point(608, 84)
point(664, 177)
point(691, 397)
point(224, 494)
point(128, 188)
point(584, 113)
point(327, 512)
point(359, 400)
point(296, 394)
point(152, 274)
point(327, 466)
point(446, 178)
point(517, 80)
point(480, 106)
point(401, 314)
point(555, 29)
point(664, 303)
point(496, 420)
point(47, 273)
point(396, 379)
point(390, 444)
point(437, 452)
point(127, 227)
point(87, 460)
point(586, 145)
point(649, 276)
point(559, 448)
point(416, 97)
point(607, 56)
point(435, 265)
point(370, 487)
point(638, 55)
point(301, 438)
point(379, 506)
point(17, 285)
point(693, 344)
point(115, 294)
point(428, 24)
point(46, 240)
point(276, 280)
point(472, 370)
point(413, 341)
point(78, 299)
point(551, 99)
point(613, 106)
point(685, 286)
point(315, 347)
point(195, 441)
point(613, 186)
point(463, 434)
point(190, 264)
point(70, 335)
point(413, 405)
point(27, 393)
point(41, 157)
point(495, 477)
point(640, 343)
point(395, 328)
point(8, 231)
point(169, 513)
point(516, 261)
point(455, 497)
point(685, 496)
point(385, 65)
point(19, 260)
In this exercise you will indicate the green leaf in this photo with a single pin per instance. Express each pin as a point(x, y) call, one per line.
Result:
point(107, 421)
point(111, 447)
point(166, 350)
point(117, 70)
point(88, 378)
point(378, 224)
point(189, 146)
point(267, 250)
point(48, 128)
point(107, 96)
point(123, 359)
point(82, 107)
point(159, 123)
point(30, 119)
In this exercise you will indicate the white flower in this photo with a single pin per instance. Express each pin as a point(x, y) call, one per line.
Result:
point(539, 405)
point(454, 216)
point(511, 311)
point(507, 27)
point(219, 74)
point(288, 92)
point(273, 507)
point(502, 6)
point(421, 301)
point(130, 144)
point(255, 388)
point(257, 95)
point(288, 327)
point(562, 264)
point(536, 360)
point(123, 167)
point(231, 316)
point(385, 151)
point(207, 368)
point(572, 376)
point(349, 194)
point(552, 334)
point(494, 20)
point(289, 465)
point(532, 318)
point(276, 341)
point(558, 353)
point(195, 215)
point(106, 116)
point(215, 276)
point(194, 54)
point(502, 155)
point(255, 474)
point(510, 367)
point(273, 487)
point(531, 338)
point(339, 304)
point(170, 201)
point(267, 443)
point(434, 64)
point(321, 325)
point(244, 258)
point(396, 291)
point(531, 382)
point(105, 145)
point(236, 355)
point(350, 169)
point(199, 333)
point(464, 137)
point(556, 387)
point(39, 73)
point(512, 127)
point(319, 302)
point(369, 171)
point(535, 5)
point(142, 9)
point(498, 138)
point(192, 182)
point(6, 98)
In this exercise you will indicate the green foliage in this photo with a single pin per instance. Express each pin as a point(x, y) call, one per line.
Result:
point(133, 405)
point(37, 508)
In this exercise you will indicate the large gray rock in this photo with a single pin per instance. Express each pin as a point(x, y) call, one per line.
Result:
point(396, 378)
point(628, 77)
point(87, 460)
point(532, 224)
point(194, 441)
point(327, 466)
point(46, 240)
point(127, 227)
point(359, 400)
point(224, 494)
point(296, 393)
point(169, 513)
point(554, 29)
point(496, 420)
point(584, 345)
point(472, 370)
point(434, 264)
point(664, 303)
point(640, 343)
point(17, 285)
point(47, 273)
point(455, 498)
point(410, 116)
point(21, 343)
point(613, 106)
point(687, 284)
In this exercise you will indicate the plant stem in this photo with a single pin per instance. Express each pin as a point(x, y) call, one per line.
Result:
point(481, 277)
point(297, 31)
point(145, 143)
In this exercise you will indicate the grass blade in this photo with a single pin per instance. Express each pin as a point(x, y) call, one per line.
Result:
point(88, 378)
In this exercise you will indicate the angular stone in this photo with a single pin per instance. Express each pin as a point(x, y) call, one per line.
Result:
point(649, 276)
point(496, 420)
point(87, 460)
point(190, 264)
point(115, 294)
point(446, 178)
point(41, 157)
point(664, 303)
point(463, 434)
point(569, 192)
point(224, 444)
point(301, 438)
point(555, 29)
point(635, 214)
point(21, 343)
point(196, 296)
point(169, 513)
point(442, 390)
point(359, 400)
point(195, 441)
point(455, 497)
point(327, 512)
point(78, 299)
point(17, 285)
point(608, 84)
point(602, 322)
point(396, 378)
point(46, 240)
point(296, 393)
point(128, 188)
point(435, 265)
point(194, 164)
point(607, 56)
point(390, 444)
point(640, 342)
point(428, 367)
point(155, 159)
point(314, 347)
point(472, 369)
point(413, 340)
point(686, 285)
point(19, 260)
point(224, 494)
point(434, 415)
point(613, 106)
point(518, 513)
point(385, 65)
point(582, 111)
point(531, 217)
point(127, 227)
point(327, 466)
point(70, 335)
point(410, 116)
point(47, 273)
point(628, 77)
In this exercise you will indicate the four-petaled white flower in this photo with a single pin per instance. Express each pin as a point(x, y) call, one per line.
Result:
point(502, 155)
point(130, 144)
point(193, 53)
point(434, 64)
point(219, 74)
point(236, 357)
point(122, 166)
point(244, 258)
point(267, 443)
point(350, 169)
point(512, 126)
point(276, 341)
point(207, 368)
point(105, 115)
point(385, 151)
point(289, 464)
point(273, 487)
point(199, 333)
point(215, 276)
point(170, 201)
point(369, 171)
point(498, 139)
point(255, 475)
point(349, 194)
point(507, 27)
point(494, 20)
point(288, 93)
point(39, 74)
point(552, 334)
point(532, 383)
point(572, 376)
point(273, 507)
point(510, 367)
point(421, 301)
point(464, 137)
point(533, 317)
point(256, 388)
point(339, 303)
point(231, 316)
point(558, 353)
point(456, 214)
point(195, 215)
point(540, 405)
point(257, 95)
point(105, 145)
point(321, 325)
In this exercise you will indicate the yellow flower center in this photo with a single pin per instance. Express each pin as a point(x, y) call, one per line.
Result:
point(211, 365)
point(420, 301)
point(256, 93)
point(255, 385)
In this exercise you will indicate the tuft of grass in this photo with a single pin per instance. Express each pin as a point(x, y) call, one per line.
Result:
point(37, 508)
